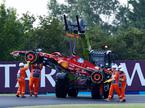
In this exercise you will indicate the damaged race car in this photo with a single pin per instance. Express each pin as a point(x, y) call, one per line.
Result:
point(73, 73)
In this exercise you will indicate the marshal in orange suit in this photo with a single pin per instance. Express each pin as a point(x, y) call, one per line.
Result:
point(114, 83)
point(34, 80)
point(122, 80)
point(21, 79)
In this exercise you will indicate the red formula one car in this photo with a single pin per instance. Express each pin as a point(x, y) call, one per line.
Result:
point(73, 73)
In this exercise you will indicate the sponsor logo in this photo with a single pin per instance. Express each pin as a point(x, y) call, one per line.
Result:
point(134, 71)
point(44, 76)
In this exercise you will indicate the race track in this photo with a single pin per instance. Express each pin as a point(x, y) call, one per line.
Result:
point(12, 101)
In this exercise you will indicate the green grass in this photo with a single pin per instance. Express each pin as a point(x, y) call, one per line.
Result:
point(89, 106)
point(8, 94)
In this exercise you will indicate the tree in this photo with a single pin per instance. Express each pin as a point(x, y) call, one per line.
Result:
point(50, 36)
point(97, 37)
point(137, 15)
point(131, 15)
point(91, 10)
point(27, 20)
point(121, 19)
point(10, 32)
point(129, 44)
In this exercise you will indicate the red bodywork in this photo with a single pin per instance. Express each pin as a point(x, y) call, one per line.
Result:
point(73, 65)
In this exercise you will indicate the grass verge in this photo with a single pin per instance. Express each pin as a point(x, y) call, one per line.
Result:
point(120, 105)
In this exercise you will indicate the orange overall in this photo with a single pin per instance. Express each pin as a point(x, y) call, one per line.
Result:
point(122, 79)
point(21, 81)
point(35, 79)
point(114, 85)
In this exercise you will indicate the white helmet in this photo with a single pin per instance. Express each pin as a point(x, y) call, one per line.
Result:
point(114, 66)
point(121, 69)
point(21, 64)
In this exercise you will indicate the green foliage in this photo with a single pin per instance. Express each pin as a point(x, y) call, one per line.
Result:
point(129, 44)
point(50, 36)
point(97, 37)
point(10, 32)
point(137, 15)
point(126, 38)
point(131, 15)
point(88, 9)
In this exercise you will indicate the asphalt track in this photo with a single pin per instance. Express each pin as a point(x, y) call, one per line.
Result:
point(12, 101)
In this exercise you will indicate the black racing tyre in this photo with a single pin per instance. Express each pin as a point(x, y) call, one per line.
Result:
point(97, 77)
point(31, 56)
point(61, 88)
point(95, 92)
point(73, 92)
